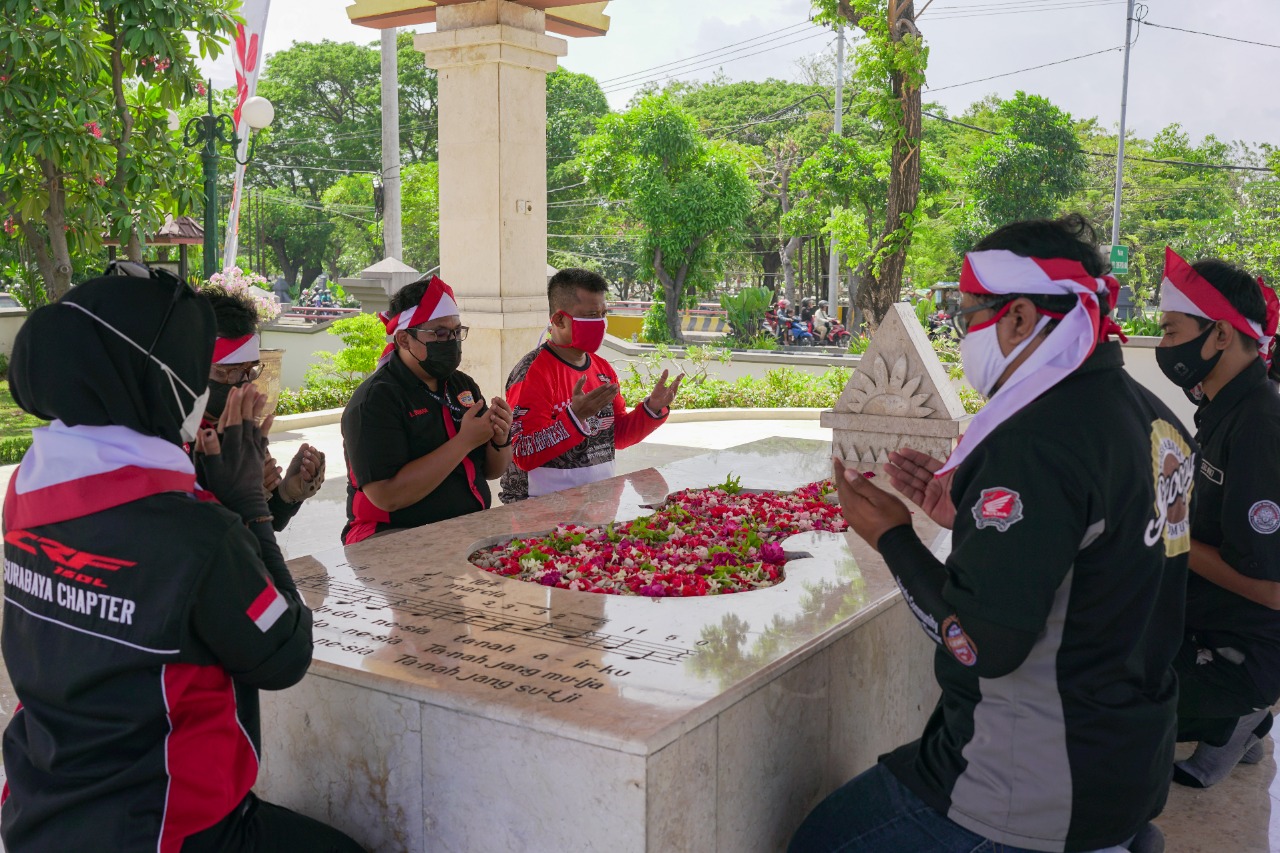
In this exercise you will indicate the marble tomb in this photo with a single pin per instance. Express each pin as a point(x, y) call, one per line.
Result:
point(450, 709)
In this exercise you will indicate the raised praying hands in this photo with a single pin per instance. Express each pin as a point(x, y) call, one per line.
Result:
point(912, 474)
point(662, 395)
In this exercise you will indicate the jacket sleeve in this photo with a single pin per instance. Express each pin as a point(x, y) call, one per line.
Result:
point(1251, 504)
point(282, 512)
point(636, 425)
point(543, 426)
point(1018, 529)
point(249, 614)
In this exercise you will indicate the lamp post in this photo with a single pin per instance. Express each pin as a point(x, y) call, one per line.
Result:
point(208, 131)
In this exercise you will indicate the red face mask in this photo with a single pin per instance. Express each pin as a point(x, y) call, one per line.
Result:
point(587, 332)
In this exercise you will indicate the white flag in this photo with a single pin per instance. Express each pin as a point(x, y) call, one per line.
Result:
point(248, 60)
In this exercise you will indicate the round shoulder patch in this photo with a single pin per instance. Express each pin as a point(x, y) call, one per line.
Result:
point(1264, 517)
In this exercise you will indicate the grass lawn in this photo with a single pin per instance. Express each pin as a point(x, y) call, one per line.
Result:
point(14, 423)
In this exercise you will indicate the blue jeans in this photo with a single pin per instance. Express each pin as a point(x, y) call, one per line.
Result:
point(876, 813)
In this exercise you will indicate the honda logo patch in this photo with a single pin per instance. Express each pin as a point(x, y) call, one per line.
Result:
point(999, 508)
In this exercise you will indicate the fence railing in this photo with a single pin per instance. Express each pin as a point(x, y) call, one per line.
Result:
point(317, 314)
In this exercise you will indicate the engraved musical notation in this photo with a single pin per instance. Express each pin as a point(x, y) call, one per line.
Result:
point(350, 594)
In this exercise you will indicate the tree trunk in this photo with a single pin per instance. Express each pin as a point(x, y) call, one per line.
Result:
point(311, 273)
point(55, 221)
point(787, 256)
point(672, 288)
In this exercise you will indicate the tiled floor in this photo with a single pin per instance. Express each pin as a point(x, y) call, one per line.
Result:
point(1240, 815)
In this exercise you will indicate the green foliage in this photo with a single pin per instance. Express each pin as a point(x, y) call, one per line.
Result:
point(1026, 171)
point(1142, 324)
point(333, 395)
point(13, 449)
point(85, 147)
point(654, 330)
point(688, 194)
point(782, 387)
point(365, 338)
point(746, 310)
point(858, 344)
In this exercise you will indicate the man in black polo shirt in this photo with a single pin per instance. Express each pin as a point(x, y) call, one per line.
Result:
point(1219, 326)
point(420, 443)
point(1058, 612)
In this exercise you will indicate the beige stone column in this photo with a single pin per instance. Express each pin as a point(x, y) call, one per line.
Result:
point(493, 58)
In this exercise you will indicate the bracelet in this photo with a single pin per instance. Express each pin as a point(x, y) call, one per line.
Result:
point(501, 446)
point(261, 519)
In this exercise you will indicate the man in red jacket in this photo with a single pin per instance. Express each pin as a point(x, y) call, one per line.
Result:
point(569, 415)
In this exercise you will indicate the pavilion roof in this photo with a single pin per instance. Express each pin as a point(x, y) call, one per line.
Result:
point(564, 17)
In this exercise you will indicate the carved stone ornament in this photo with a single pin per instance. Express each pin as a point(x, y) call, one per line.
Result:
point(898, 396)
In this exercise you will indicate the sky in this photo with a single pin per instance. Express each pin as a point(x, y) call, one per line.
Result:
point(1208, 85)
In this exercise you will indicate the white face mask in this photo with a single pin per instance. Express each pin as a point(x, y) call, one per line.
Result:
point(984, 364)
point(190, 419)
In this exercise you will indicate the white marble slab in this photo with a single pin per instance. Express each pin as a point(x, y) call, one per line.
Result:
point(526, 693)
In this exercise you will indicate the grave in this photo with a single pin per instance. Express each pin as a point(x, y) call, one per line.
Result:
point(451, 709)
point(898, 396)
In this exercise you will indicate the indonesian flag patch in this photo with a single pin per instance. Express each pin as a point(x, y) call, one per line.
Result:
point(267, 608)
point(1000, 508)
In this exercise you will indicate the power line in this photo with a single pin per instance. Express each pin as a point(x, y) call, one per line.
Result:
point(690, 59)
point(1221, 166)
point(1032, 68)
point(714, 63)
point(314, 169)
point(958, 14)
point(1212, 35)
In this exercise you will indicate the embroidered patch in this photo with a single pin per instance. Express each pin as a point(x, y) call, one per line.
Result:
point(1210, 473)
point(962, 648)
point(1264, 517)
point(466, 399)
point(603, 377)
point(999, 508)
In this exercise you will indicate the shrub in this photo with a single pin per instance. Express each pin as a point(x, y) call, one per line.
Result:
point(654, 330)
point(745, 309)
point(365, 338)
point(782, 387)
point(12, 449)
point(315, 398)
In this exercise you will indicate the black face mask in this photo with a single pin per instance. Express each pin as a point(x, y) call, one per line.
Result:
point(218, 392)
point(1184, 366)
point(443, 358)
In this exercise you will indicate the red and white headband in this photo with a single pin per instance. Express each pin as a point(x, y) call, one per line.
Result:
point(438, 301)
point(1186, 291)
point(236, 350)
point(1003, 273)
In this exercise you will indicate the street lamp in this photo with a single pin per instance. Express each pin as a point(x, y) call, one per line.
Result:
point(208, 131)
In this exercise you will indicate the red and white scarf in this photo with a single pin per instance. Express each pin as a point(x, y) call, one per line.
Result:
point(1001, 273)
point(236, 350)
point(74, 471)
point(438, 301)
point(1186, 291)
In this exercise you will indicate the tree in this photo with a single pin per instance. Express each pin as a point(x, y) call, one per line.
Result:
point(1026, 170)
point(690, 194)
point(890, 64)
point(84, 141)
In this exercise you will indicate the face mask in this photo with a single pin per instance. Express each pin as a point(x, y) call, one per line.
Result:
point(587, 332)
point(190, 419)
point(218, 392)
point(443, 358)
point(984, 364)
point(1184, 366)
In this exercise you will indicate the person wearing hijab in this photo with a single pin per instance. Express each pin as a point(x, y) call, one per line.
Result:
point(1057, 613)
point(142, 614)
point(236, 363)
point(419, 440)
point(1219, 326)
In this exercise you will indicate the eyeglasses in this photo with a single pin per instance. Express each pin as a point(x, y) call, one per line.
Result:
point(235, 375)
point(960, 319)
point(432, 335)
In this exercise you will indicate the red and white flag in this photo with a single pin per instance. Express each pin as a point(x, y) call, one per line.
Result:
point(248, 58)
point(267, 608)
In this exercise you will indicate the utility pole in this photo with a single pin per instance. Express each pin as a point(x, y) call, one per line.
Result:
point(1124, 105)
point(833, 273)
point(392, 235)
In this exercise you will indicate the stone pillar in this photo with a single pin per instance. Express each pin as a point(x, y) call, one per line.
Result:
point(493, 57)
point(377, 284)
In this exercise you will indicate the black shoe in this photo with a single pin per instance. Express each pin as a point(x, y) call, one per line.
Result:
point(1148, 840)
